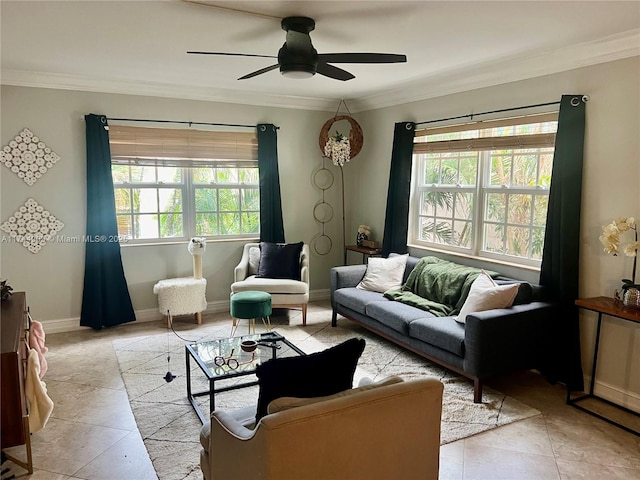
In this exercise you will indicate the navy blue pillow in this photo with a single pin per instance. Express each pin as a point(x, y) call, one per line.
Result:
point(525, 291)
point(280, 260)
point(315, 375)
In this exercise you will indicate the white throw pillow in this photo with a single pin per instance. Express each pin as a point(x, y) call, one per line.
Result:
point(384, 273)
point(485, 294)
point(254, 260)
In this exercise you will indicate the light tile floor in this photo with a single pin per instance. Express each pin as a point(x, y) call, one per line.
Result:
point(92, 434)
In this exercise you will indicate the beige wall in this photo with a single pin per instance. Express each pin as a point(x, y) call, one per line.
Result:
point(610, 186)
point(53, 278)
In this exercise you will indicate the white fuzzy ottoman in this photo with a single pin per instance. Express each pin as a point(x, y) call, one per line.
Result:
point(182, 296)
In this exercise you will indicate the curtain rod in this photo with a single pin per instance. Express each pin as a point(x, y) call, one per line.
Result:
point(183, 122)
point(471, 115)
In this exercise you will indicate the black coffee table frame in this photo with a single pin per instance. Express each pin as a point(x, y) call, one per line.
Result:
point(272, 340)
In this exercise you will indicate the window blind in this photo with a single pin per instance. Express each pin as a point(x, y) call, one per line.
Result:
point(485, 141)
point(182, 147)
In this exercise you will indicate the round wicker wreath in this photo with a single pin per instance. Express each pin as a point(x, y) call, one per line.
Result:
point(355, 136)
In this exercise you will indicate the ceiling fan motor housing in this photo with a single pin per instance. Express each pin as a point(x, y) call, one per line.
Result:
point(297, 57)
point(292, 62)
point(298, 24)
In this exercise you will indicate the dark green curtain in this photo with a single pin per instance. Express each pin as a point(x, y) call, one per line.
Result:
point(271, 224)
point(105, 298)
point(396, 221)
point(560, 256)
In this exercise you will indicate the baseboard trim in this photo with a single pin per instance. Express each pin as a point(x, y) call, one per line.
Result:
point(318, 295)
point(630, 400)
point(63, 325)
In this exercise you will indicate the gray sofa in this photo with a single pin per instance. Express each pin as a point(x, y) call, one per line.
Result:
point(490, 343)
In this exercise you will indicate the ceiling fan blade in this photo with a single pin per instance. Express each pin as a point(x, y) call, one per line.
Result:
point(361, 58)
point(333, 72)
point(232, 54)
point(260, 72)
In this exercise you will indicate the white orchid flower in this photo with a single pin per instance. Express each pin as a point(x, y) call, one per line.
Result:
point(612, 229)
point(631, 249)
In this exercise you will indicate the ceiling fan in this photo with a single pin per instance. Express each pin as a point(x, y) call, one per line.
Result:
point(298, 59)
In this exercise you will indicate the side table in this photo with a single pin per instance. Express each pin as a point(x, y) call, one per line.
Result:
point(365, 251)
point(606, 306)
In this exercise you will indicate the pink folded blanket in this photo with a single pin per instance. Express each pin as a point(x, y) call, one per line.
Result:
point(36, 342)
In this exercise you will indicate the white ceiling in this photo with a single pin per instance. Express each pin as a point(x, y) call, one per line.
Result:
point(139, 47)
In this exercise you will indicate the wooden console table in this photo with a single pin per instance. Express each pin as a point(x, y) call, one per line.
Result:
point(14, 428)
point(606, 306)
point(365, 251)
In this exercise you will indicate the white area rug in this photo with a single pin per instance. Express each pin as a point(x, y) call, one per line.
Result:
point(170, 427)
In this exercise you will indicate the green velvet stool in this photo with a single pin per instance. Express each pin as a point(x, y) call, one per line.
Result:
point(250, 305)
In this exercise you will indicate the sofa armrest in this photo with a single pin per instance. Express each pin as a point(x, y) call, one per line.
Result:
point(347, 276)
point(233, 450)
point(502, 340)
point(223, 424)
point(241, 271)
point(304, 264)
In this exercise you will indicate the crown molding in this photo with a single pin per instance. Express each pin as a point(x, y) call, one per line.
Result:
point(22, 78)
point(471, 77)
point(607, 49)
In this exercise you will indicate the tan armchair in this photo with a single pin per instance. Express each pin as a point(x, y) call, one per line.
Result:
point(284, 293)
point(384, 432)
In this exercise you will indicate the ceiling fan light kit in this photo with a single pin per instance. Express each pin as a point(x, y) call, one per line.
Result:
point(295, 73)
point(298, 59)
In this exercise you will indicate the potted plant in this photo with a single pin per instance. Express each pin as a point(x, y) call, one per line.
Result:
point(610, 238)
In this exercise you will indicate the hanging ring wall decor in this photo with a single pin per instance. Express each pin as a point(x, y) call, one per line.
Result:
point(322, 179)
point(356, 138)
point(339, 149)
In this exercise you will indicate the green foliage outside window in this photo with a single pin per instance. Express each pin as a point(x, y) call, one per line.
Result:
point(513, 184)
point(151, 201)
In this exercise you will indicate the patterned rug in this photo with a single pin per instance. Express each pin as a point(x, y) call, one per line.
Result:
point(170, 427)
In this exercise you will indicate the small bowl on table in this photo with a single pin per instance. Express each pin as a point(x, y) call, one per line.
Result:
point(248, 345)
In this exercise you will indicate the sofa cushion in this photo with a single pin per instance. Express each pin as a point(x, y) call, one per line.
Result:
point(441, 332)
point(410, 265)
point(384, 273)
point(395, 315)
point(318, 374)
point(280, 260)
point(254, 260)
point(486, 295)
point(270, 285)
point(356, 299)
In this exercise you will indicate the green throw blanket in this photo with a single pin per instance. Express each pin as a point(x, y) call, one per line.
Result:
point(438, 286)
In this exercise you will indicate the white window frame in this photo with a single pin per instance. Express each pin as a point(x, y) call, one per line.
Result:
point(479, 192)
point(192, 186)
point(136, 146)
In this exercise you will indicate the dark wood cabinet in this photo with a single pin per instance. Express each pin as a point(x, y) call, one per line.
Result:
point(14, 428)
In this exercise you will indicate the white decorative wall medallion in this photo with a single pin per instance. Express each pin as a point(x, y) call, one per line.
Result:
point(28, 157)
point(32, 226)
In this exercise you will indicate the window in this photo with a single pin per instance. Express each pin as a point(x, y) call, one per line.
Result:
point(175, 184)
point(483, 189)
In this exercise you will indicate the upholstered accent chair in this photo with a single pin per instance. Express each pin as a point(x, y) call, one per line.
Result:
point(377, 432)
point(285, 292)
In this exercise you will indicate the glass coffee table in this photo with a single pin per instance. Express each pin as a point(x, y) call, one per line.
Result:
point(223, 359)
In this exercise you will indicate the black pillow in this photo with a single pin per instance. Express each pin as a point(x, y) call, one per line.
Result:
point(315, 375)
point(280, 260)
point(525, 291)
